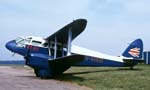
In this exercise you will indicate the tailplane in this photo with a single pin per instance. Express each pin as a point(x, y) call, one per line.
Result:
point(134, 50)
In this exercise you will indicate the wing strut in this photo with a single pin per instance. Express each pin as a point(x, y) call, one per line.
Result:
point(49, 48)
point(55, 48)
point(69, 42)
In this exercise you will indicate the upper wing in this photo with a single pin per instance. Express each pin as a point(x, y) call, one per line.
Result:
point(76, 27)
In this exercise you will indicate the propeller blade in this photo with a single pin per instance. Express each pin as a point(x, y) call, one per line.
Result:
point(13, 54)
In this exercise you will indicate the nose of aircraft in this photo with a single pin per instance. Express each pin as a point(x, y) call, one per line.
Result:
point(10, 45)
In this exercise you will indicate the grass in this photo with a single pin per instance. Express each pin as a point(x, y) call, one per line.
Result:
point(108, 78)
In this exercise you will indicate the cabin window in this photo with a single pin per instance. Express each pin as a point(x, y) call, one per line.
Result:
point(28, 40)
point(45, 44)
point(21, 43)
point(18, 39)
point(36, 43)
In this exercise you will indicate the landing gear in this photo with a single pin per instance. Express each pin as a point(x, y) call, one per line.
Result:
point(131, 68)
point(36, 71)
point(44, 73)
point(45, 77)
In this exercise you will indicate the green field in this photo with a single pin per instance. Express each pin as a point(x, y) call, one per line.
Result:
point(108, 78)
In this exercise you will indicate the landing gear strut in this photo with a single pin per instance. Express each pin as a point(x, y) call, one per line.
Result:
point(36, 71)
point(131, 68)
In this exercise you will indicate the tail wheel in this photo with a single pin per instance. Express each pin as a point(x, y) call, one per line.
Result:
point(131, 68)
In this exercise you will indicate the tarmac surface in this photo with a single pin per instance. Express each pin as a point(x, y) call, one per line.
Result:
point(24, 79)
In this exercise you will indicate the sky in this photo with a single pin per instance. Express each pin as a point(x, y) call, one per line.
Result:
point(112, 24)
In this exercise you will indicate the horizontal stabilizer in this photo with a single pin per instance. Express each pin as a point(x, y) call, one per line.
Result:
point(132, 62)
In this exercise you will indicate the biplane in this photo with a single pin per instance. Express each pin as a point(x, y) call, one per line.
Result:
point(55, 54)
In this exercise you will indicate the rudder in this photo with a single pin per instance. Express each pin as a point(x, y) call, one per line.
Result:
point(134, 50)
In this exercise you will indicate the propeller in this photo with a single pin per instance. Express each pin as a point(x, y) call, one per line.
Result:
point(13, 54)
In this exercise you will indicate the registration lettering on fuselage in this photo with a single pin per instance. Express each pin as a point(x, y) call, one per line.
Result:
point(94, 59)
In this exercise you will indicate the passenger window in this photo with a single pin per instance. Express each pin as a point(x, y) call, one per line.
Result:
point(45, 44)
point(36, 43)
point(28, 40)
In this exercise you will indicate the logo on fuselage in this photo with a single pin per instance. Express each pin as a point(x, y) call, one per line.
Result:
point(34, 48)
point(135, 52)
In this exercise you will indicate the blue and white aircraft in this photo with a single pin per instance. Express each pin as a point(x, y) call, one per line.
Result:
point(55, 54)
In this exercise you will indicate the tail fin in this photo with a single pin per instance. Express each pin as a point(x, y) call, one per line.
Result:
point(134, 50)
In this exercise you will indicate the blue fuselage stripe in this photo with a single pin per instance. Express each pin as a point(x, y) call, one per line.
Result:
point(104, 62)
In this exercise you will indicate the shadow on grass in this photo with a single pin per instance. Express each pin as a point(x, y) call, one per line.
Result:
point(73, 75)
point(106, 70)
point(69, 77)
point(128, 69)
point(62, 77)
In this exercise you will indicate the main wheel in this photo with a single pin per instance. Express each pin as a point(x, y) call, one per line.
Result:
point(131, 68)
point(36, 71)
